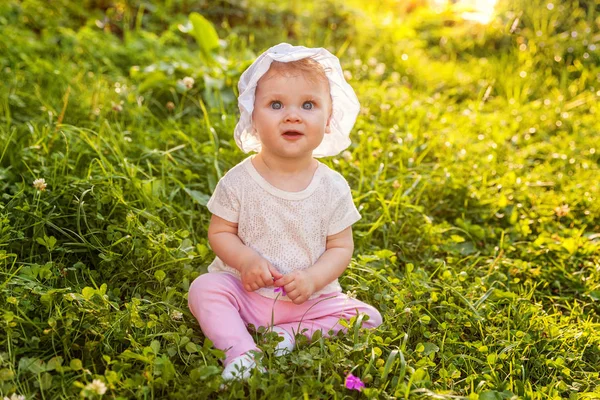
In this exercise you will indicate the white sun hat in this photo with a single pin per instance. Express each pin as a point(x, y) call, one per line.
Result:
point(344, 101)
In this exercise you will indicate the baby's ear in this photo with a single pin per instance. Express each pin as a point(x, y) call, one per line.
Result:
point(328, 126)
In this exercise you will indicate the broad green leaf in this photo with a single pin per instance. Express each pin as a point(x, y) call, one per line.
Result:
point(204, 372)
point(155, 346)
point(160, 275)
point(153, 80)
point(385, 254)
point(199, 197)
point(9, 316)
point(164, 368)
point(191, 347)
point(490, 395)
point(88, 292)
point(571, 245)
point(595, 295)
point(430, 348)
point(6, 374)
point(54, 363)
point(205, 34)
point(76, 364)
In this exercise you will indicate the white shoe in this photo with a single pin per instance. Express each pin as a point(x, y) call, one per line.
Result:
point(240, 368)
point(286, 345)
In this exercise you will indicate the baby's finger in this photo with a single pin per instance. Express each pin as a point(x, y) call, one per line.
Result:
point(284, 280)
point(276, 274)
point(299, 300)
point(290, 287)
point(266, 281)
point(293, 294)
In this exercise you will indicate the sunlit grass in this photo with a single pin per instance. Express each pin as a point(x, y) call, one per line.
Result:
point(474, 163)
point(481, 11)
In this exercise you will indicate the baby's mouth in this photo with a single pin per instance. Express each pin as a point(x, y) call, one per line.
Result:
point(292, 134)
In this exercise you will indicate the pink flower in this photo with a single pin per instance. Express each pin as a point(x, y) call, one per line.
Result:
point(280, 290)
point(354, 383)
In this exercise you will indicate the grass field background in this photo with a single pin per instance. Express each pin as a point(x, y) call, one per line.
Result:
point(474, 163)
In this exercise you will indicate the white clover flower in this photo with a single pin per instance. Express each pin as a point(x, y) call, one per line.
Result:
point(176, 315)
point(346, 155)
point(350, 294)
point(118, 107)
point(188, 81)
point(15, 397)
point(96, 387)
point(40, 184)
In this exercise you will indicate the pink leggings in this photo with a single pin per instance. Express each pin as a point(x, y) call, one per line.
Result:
point(224, 308)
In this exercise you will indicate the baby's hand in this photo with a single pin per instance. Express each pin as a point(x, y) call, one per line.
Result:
point(298, 286)
point(257, 273)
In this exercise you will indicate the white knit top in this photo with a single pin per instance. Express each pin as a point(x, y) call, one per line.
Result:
point(289, 229)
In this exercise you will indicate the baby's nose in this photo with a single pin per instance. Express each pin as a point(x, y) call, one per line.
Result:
point(293, 116)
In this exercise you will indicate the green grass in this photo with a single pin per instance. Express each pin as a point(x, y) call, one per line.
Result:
point(471, 144)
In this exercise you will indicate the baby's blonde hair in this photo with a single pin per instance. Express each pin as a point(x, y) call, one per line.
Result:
point(310, 68)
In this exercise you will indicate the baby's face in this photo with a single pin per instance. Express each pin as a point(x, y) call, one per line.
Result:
point(291, 113)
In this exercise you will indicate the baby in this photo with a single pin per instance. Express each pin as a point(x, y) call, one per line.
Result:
point(281, 224)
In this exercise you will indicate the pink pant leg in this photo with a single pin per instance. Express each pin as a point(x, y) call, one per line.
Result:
point(323, 313)
point(216, 299)
point(223, 309)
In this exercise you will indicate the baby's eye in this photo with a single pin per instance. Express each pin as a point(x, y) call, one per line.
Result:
point(308, 105)
point(276, 105)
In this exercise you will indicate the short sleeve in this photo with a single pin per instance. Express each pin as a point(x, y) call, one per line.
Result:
point(224, 203)
point(344, 215)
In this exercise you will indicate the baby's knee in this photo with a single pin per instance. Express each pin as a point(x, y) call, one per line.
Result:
point(204, 290)
point(375, 318)
point(207, 284)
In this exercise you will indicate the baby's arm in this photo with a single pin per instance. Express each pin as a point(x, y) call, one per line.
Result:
point(334, 261)
point(256, 271)
point(300, 285)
